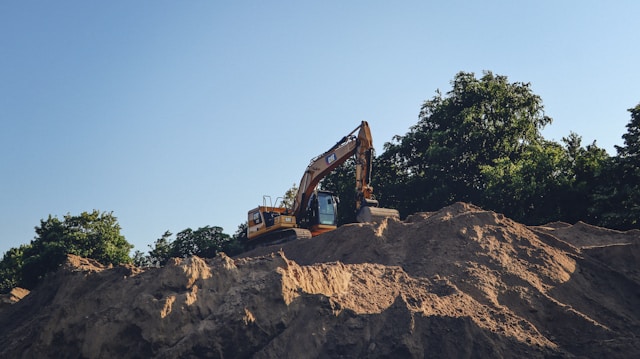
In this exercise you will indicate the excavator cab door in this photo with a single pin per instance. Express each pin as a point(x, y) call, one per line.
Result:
point(327, 209)
point(322, 212)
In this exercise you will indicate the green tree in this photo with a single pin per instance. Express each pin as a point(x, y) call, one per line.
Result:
point(616, 202)
point(204, 242)
point(289, 197)
point(140, 259)
point(11, 268)
point(548, 182)
point(630, 152)
point(529, 188)
point(583, 169)
point(440, 159)
point(158, 254)
point(94, 235)
point(238, 241)
point(162, 250)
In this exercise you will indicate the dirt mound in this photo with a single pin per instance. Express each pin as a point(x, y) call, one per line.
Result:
point(460, 282)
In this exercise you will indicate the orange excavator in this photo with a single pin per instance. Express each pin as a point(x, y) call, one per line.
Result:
point(314, 211)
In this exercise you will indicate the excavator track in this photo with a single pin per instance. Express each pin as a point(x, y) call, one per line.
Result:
point(278, 237)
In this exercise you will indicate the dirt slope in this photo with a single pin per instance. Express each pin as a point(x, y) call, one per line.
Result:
point(461, 282)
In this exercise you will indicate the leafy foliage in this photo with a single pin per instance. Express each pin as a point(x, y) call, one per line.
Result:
point(289, 197)
point(11, 268)
point(584, 167)
point(440, 160)
point(238, 241)
point(93, 235)
point(158, 255)
point(205, 242)
point(527, 189)
point(616, 201)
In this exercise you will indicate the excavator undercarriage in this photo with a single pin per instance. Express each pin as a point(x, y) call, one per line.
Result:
point(278, 237)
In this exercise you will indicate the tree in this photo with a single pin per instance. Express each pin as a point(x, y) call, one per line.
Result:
point(583, 169)
point(289, 197)
point(162, 250)
point(158, 254)
point(204, 242)
point(629, 162)
point(141, 260)
point(630, 152)
point(531, 188)
point(11, 268)
point(94, 235)
point(440, 159)
point(238, 241)
point(616, 202)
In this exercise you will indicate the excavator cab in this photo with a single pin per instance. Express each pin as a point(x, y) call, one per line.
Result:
point(322, 212)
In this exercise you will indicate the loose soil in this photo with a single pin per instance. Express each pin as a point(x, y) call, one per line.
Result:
point(461, 282)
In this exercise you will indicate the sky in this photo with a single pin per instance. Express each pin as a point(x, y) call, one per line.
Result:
point(184, 114)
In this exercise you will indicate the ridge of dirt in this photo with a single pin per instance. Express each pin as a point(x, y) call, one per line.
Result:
point(14, 296)
point(584, 235)
point(459, 282)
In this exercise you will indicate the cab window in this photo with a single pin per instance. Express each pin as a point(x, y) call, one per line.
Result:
point(255, 217)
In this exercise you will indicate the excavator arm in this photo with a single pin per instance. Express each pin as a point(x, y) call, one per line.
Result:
point(321, 166)
point(360, 145)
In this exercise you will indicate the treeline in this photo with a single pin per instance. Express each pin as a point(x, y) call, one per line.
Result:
point(478, 143)
point(96, 235)
point(481, 143)
point(204, 242)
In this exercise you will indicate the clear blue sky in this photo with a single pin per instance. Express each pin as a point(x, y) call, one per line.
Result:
point(178, 114)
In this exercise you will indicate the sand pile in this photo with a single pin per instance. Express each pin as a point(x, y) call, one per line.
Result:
point(460, 282)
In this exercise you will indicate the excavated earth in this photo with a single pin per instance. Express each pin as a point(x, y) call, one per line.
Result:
point(461, 282)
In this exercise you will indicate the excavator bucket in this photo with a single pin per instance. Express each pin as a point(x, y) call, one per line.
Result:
point(368, 214)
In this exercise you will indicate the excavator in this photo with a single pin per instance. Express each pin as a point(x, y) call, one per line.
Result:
point(314, 211)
